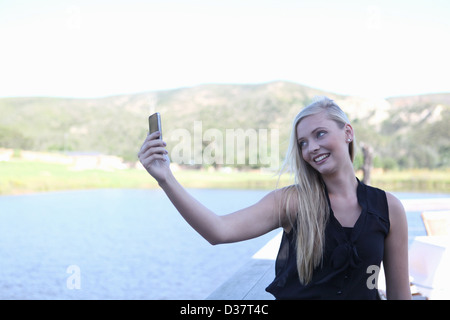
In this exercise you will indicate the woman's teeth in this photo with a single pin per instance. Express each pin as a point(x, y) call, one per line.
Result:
point(320, 158)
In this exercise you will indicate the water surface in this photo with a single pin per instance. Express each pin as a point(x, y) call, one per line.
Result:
point(126, 244)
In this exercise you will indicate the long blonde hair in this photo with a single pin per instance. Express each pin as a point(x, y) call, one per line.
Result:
point(307, 195)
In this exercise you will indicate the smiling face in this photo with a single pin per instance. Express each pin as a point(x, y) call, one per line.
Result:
point(324, 143)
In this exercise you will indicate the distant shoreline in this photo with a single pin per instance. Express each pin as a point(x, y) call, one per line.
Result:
point(27, 177)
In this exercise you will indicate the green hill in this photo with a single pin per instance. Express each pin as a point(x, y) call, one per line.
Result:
point(404, 131)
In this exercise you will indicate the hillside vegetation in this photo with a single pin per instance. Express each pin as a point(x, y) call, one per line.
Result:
point(404, 132)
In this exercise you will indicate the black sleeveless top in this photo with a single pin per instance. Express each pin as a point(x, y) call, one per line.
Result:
point(351, 255)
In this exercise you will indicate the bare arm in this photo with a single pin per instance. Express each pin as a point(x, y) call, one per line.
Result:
point(241, 225)
point(396, 252)
point(244, 224)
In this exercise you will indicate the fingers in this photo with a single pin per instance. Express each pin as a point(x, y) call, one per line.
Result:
point(153, 153)
point(154, 135)
point(148, 158)
point(152, 148)
point(147, 162)
point(152, 141)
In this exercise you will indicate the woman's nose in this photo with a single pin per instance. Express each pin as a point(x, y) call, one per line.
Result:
point(313, 147)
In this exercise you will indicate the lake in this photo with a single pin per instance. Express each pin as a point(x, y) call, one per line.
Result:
point(121, 244)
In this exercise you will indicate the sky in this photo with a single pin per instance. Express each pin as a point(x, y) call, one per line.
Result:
point(85, 49)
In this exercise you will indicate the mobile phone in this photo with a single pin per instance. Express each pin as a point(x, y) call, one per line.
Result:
point(154, 123)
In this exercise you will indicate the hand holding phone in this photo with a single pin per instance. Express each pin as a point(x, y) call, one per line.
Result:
point(154, 123)
point(153, 155)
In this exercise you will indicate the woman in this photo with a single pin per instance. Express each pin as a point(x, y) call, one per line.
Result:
point(336, 229)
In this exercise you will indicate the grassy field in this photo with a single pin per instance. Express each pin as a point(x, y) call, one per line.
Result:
point(416, 180)
point(20, 177)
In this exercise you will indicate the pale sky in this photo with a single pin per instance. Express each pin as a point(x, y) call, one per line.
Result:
point(99, 48)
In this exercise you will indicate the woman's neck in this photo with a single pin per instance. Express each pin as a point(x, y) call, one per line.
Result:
point(341, 185)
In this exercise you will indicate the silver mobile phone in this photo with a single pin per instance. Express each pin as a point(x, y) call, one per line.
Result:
point(154, 123)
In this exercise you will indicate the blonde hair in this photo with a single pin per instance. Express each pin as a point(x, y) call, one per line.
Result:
point(307, 196)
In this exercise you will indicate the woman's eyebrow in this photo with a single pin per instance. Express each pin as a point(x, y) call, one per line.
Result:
point(312, 132)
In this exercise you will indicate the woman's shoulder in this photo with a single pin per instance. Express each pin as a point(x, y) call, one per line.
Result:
point(288, 195)
point(396, 209)
point(287, 199)
point(393, 201)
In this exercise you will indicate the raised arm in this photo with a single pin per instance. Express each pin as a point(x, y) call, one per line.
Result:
point(243, 224)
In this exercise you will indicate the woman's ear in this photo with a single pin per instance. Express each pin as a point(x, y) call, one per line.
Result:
point(348, 132)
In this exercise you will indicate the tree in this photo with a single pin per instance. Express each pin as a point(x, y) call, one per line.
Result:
point(367, 162)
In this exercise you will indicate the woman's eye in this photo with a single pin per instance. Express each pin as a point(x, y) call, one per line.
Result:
point(320, 134)
point(302, 144)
